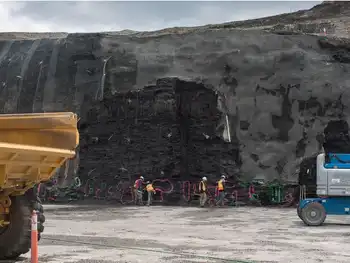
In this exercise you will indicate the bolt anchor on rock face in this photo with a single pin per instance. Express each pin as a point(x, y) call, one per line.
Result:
point(228, 128)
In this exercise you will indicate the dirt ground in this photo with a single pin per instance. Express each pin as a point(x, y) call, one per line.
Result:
point(177, 234)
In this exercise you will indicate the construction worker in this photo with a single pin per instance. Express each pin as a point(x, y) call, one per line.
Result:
point(203, 191)
point(138, 190)
point(221, 191)
point(150, 191)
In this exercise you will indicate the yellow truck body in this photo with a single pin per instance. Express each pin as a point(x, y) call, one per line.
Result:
point(33, 146)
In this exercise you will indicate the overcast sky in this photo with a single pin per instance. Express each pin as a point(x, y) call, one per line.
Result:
point(50, 16)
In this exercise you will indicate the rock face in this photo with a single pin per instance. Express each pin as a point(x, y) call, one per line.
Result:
point(234, 98)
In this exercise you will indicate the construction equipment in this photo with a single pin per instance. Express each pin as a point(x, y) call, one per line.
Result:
point(32, 147)
point(74, 192)
point(333, 190)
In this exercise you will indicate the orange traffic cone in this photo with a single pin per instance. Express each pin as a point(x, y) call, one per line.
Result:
point(34, 238)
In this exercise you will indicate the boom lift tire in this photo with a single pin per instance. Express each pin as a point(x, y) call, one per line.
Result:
point(15, 238)
point(299, 212)
point(313, 214)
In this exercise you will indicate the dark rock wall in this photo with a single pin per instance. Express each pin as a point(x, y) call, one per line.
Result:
point(278, 91)
point(169, 130)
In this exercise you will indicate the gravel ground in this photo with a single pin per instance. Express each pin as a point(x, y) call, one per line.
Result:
point(176, 234)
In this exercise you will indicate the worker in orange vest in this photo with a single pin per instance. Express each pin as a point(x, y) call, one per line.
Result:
point(203, 191)
point(150, 191)
point(138, 190)
point(221, 191)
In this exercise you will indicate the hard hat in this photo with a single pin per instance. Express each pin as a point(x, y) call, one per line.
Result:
point(148, 182)
point(204, 178)
point(223, 176)
point(141, 177)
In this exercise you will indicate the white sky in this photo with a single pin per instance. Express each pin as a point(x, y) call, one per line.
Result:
point(90, 16)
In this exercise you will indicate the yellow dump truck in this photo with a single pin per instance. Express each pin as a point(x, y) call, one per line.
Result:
point(32, 147)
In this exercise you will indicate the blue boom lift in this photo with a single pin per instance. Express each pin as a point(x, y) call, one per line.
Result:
point(333, 190)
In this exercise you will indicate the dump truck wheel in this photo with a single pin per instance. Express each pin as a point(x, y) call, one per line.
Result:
point(313, 214)
point(41, 218)
point(15, 238)
point(38, 206)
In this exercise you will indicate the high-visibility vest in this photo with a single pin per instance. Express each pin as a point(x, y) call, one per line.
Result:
point(149, 188)
point(202, 186)
point(220, 186)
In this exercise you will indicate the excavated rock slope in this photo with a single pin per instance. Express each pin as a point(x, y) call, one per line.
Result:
point(163, 103)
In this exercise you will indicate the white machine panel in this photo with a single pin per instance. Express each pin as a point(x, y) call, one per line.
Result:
point(322, 178)
point(332, 182)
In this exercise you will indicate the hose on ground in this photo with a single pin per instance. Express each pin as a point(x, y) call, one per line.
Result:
point(183, 254)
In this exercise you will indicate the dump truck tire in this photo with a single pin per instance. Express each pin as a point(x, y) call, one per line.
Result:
point(41, 217)
point(15, 238)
